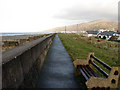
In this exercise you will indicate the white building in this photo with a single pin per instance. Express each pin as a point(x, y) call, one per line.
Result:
point(91, 33)
point(106, 35)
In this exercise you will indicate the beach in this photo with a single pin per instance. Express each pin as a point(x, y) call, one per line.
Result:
point(17, 37)
point(9, 42)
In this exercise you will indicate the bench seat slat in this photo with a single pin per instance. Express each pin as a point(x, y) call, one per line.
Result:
point(86, 72)
point(89, 72)
point(83, 73)
point(89, 68)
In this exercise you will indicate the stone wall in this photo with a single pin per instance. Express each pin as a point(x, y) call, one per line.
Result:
point(21, 65)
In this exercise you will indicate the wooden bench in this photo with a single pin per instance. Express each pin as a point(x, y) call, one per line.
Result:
point(93, 80)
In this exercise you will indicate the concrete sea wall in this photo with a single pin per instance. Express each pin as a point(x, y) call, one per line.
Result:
point(21, 65)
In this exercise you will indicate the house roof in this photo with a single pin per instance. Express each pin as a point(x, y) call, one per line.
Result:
point(108, 33)
point(92, 32)
point(117, 33)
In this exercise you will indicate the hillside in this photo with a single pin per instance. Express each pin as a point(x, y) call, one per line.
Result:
point(93, 25)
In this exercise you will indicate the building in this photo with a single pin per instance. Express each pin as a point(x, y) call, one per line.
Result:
point(106, 35)
point(91, 33)
point(116, 35)
point(101, 30)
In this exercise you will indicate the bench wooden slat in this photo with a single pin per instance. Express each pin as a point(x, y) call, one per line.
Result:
point(83, 73)
point(91, 70)
point(101, 62)
point(98, 68)
point(86, 72)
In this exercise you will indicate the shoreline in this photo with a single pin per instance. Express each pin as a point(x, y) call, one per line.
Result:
point(18, 37)
point(9, 42)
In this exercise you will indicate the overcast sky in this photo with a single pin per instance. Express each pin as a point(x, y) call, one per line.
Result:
point(38, 15)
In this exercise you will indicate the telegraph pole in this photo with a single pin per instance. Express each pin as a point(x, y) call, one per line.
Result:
point(77, 28)
point(65, 29)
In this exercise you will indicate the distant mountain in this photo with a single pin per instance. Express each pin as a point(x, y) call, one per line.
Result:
point(100, 24)
point(93, 25)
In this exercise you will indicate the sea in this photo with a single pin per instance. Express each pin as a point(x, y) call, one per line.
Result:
point(21, 33)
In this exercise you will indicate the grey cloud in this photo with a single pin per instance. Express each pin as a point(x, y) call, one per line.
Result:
point(86, 13)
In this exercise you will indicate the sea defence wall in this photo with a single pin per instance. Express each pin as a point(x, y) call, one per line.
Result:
point(21, 65)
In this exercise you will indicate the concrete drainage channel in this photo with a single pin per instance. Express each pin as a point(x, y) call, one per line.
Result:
point(58, 69)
